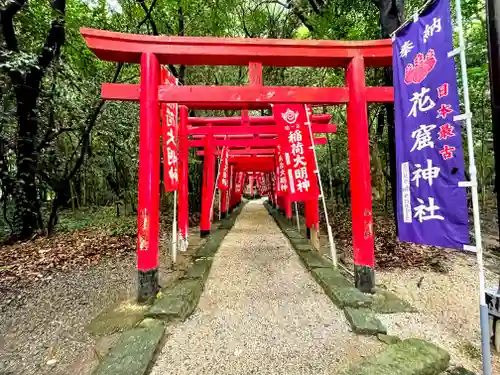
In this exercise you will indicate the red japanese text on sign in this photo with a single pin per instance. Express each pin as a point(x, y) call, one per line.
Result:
point(242, 179)
point(223, 182)
point(239, 182)
point(261, 184)
point(281, 177)
point(169, 137)
point(295, 143)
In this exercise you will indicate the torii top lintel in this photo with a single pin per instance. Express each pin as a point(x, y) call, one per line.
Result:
point(122, 47)
point(252, 120)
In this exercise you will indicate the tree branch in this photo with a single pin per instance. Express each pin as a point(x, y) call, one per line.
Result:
point(55, 38)
point(51, 135)
point(7, 14)
point(85, 140)
point(243, 23)
point(293, 7)
point(314, 7)
point(290, 4)
point(181, 31)
point(148, 17)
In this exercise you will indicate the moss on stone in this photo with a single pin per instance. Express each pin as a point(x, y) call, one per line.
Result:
point(300, 247)
point(459, 371)
point(330, 277)
point(312, 259)
point(293, 235)
point(118, 317)
point(386, 302)
point(388, 339)
point(409, 357)
point(133, 353)
point(339, 289)
point(199, 269)
point(177, 302)
point(364, 321)
point(210, 247)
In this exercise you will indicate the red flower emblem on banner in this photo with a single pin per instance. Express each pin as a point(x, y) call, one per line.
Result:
point(421, 67)
point(290, 116)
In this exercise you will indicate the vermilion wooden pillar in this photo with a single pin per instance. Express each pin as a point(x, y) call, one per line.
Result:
point(308, 219)
point(208, 186)
point(149, 180)
point(232, 176)
point(183, 214)
point(315, 224)
point(288, 206)
point(361, 192)
point(312, 221)
point(223, 204)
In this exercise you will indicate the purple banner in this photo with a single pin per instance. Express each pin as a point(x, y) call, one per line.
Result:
point(432, 208)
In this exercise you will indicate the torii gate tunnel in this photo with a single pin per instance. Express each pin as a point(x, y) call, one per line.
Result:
point(243, 136)
point(152, 51)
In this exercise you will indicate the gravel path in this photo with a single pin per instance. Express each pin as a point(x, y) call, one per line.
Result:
point(261, 312)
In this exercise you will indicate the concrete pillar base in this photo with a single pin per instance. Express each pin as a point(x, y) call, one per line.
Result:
point(148, 285)
point(364, 278)
point(314, 234)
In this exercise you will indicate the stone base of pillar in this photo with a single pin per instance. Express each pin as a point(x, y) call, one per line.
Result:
point(204, 233)
point(148, 285)
point(364, 278)
point(314, 237)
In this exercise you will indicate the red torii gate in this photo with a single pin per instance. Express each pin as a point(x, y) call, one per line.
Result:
point(151, 51)
point(263, 160)
point(212, 132)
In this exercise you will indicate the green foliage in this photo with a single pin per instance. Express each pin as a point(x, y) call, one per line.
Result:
point(101, 218)
point(69, 103)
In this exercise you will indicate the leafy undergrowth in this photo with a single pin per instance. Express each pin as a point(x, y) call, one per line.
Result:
point(26, 262)
point(389, 252)
point(83, 238)
point(102, 218)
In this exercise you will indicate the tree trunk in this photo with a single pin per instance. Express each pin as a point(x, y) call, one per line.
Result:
point(493, 14)
point(391, 17)
point(27, 203)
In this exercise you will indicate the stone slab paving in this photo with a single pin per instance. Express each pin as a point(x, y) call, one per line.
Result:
point(261, 313)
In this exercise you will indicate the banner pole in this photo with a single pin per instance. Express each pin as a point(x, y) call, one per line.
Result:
point(483, 308)
point(174, 230)
point(333, 250)
point(297, 216)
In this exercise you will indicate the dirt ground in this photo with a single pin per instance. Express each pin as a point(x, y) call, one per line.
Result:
point(448, 305)
point(43, 325)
